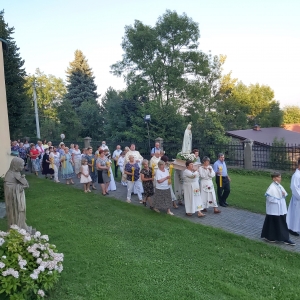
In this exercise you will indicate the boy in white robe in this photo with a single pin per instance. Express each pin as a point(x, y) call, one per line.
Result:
point(293, 215)
point(275, 227)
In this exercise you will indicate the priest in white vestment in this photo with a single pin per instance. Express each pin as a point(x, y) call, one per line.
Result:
point(293, 215)
point(191, 189)
point(275, 227)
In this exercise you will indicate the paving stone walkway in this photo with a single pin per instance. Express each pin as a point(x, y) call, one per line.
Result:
point(237, 221)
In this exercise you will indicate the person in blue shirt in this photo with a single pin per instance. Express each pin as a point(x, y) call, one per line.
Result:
point(155, 149)
point(221, 170)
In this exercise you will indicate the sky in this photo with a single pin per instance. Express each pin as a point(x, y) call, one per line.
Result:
point(261, 38)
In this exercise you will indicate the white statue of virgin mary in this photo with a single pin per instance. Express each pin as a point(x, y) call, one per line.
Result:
point(187, 140)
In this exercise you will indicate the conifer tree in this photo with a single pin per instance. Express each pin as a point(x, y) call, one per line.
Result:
point(20, 113)
point(81, 86)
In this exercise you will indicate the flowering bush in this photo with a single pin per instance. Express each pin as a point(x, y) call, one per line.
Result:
point(29, 265)
point(186, 156)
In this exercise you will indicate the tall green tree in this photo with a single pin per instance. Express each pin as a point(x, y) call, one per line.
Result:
point(163, 57)
point(20, 111)
point(80, 82)
point(291, 114)
point(50, 92)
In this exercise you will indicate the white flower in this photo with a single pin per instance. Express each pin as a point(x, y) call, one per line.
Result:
point(45, 237)
point(36, 253)
point(3, 234)
point(45, 255)
point(2, 241)
point(60, 268)
point(22, 262)
point(41, 268)
point(2, 265)
point(3, 256)
point(41, 293)
point(14, 227)
point(22, 231)
point(39, 260)
point(49, 272)
point(37, 234)
point(11, 271)
point(34, 276)
point(27, 238)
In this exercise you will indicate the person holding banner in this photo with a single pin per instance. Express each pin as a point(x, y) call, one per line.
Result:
point(222, 180)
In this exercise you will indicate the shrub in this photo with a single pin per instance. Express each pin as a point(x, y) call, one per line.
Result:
point(29, 265)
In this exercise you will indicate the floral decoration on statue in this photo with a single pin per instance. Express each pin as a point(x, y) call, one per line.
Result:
point(29, 265)
point(186, 156)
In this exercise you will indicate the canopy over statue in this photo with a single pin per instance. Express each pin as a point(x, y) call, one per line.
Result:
point(187, 140)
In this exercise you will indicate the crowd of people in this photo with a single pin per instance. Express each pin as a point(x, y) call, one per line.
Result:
point(152, 180)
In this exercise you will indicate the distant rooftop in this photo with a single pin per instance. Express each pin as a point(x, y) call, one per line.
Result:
point(292, 127)
point(267, 135)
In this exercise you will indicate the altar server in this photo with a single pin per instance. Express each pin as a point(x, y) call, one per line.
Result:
point(275, 227)
point(293, 215)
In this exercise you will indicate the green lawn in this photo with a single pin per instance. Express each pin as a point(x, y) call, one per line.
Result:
point(247, 191)
point(115, 250)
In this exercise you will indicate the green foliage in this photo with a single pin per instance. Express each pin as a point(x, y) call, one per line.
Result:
point(1, 189)
point(50, 129)
point(278, 156)
point(89, 114)
point(70, 123)
point(50, 92)
point(30, 266)
point(19, 106)
point(291, 114)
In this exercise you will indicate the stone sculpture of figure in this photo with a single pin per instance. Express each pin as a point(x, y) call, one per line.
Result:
point(187, 140)
point(14, 184)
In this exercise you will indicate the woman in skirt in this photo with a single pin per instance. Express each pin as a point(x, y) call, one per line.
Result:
point(103, 166)
point(147, 180)
point(162, 196)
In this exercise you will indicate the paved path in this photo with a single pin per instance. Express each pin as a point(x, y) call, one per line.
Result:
point(237, 221)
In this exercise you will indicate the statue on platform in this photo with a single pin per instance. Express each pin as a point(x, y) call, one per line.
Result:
point(187, 140)
point(14, 184)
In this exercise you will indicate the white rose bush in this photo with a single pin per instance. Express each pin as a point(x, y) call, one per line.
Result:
point(29, 265)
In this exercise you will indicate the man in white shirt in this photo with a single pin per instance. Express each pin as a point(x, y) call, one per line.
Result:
point(293, 214)
point(115, 157)
point(104, 146)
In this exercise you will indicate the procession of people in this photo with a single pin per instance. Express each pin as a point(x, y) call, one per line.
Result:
point(160, 184)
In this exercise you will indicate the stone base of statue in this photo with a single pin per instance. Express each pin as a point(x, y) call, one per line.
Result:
point(179, 164)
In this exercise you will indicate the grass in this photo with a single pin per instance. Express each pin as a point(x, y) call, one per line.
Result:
point(248, 189)
point(114, 250)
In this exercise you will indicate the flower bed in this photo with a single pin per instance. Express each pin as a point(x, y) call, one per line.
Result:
point(29, 265)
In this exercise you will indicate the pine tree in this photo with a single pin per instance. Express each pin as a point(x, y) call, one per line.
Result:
point(20, 113)
point(81, 86)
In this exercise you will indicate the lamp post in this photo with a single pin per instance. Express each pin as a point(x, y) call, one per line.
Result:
point(147, 120)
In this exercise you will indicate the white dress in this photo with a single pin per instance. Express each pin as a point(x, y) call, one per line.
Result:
point(293, 214)
point(85, 171)
point(192, 197)
point(208, 194)
point(112, 184)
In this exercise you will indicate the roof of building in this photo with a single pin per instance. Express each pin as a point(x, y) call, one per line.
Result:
point(267, 135)
point(292, 127)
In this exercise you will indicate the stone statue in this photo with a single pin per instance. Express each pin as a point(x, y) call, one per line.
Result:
point(187, 140)
point(14, 184)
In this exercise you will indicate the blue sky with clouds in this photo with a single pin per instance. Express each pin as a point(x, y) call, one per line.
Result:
point(261, 38)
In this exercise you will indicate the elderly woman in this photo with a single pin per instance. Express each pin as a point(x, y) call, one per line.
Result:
point(76, 157)
point(147, 180)
point(67, 166)
point(208, 194)
point(103, 165)
point(162, 196)
point(192, 198)
point(34, 158)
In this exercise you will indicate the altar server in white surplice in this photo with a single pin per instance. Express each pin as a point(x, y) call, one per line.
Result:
point(192, 198)
point(293, 215)
point(275, 227)
point(208, 194)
